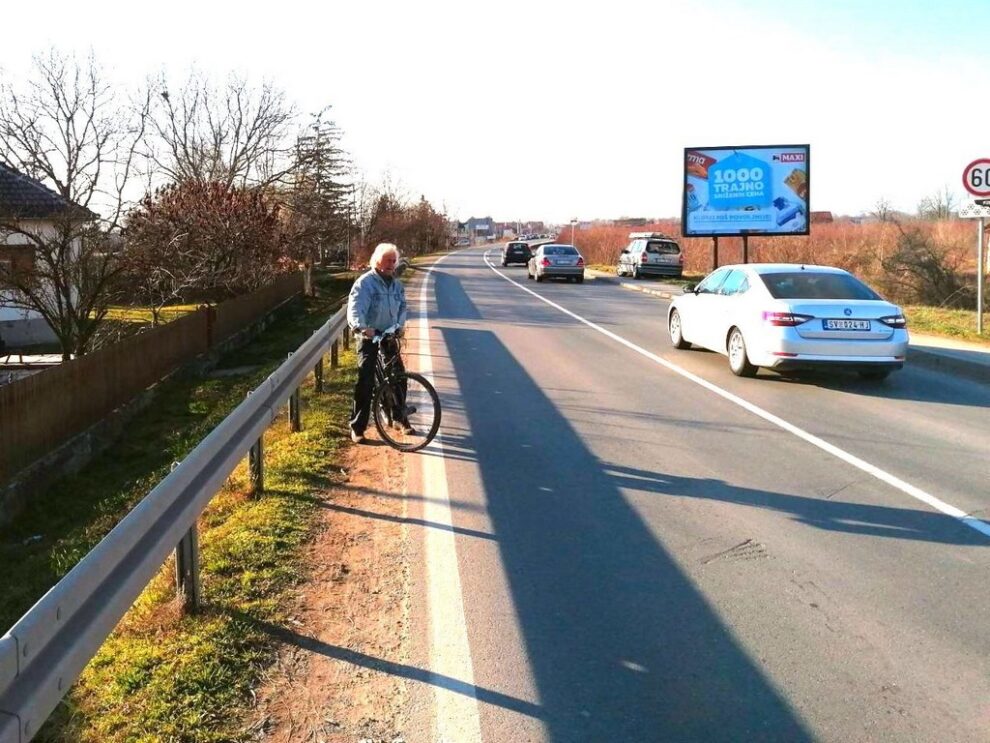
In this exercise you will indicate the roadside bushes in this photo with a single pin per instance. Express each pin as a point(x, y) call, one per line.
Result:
point(922, 271)
point(197, 239)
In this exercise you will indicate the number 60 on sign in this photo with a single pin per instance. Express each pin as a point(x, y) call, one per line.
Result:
point(976, 177)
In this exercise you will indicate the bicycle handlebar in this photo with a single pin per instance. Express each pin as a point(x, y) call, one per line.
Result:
point(390, 330)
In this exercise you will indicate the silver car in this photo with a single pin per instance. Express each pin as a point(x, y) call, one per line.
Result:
point(650, 254)
point(783, 316)
point(553, 260)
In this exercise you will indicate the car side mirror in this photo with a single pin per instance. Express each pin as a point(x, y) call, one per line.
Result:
point(690, 288)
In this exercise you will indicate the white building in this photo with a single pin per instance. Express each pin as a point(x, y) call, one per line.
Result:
point(26, 206)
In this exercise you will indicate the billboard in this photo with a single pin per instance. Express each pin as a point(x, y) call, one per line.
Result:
point(753, 190)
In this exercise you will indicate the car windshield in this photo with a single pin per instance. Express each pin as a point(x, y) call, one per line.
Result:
point(813, 285)
point(559, 250)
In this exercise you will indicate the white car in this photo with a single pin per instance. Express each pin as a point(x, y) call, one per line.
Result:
point(787, 316)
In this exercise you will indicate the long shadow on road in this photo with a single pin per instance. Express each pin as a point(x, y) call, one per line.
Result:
point(821, 512)
point(621, 644)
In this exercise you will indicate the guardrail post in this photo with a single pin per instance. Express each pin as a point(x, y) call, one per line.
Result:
point(333, 355)
point(318, 372)
point(187, 570)
point(295, 421)
point(187, 567)
point(346, 337)
point(256, 464)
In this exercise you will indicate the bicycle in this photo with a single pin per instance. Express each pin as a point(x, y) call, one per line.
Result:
point(404, 405)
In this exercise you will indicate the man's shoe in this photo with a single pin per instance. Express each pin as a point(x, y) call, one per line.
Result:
point(408, 429)
point(356, 437)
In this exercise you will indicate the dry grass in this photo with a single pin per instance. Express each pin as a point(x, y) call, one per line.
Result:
point(856, 247)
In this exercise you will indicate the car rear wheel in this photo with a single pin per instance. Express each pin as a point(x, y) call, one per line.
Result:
point(636, 273)
point(579, 279)
point(738, 358)
point(538, 278)
point(676, 334)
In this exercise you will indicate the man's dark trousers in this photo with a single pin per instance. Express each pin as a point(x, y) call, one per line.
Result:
point(367, 354)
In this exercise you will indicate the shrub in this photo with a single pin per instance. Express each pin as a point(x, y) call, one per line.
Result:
point(923, 271)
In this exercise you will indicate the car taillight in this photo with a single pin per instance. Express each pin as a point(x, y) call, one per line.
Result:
point(894, 321)
point(545, 262)
point(785, 319)
point(680, 258)
point(642, 258)
point(580, 262)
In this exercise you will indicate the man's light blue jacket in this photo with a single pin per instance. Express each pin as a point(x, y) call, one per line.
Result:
point(373, 303)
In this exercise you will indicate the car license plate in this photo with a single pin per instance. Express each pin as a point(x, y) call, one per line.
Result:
point(846, 324)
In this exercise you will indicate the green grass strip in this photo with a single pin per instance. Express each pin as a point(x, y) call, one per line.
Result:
point(163, 676)
point(959, 324)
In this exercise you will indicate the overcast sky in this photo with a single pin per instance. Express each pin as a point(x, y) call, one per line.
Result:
point(553, 110)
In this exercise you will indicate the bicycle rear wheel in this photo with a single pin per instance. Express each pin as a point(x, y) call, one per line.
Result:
point(406, 410)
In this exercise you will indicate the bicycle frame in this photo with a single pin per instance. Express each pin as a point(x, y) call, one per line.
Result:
point(388, 346)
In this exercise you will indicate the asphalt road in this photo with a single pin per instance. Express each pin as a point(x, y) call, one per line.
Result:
point(642, 558)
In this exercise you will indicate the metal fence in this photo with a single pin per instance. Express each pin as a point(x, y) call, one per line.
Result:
point(46, 650)
point(43, 411)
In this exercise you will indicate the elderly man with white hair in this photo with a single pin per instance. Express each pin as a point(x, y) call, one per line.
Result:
point(377, 301)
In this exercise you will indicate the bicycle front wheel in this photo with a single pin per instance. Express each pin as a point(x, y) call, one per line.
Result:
point(406, 410)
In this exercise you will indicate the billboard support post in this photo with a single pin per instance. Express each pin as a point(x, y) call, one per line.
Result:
point(745, 248)
point(714, 252)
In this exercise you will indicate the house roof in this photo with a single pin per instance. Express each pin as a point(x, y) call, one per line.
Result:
point(23, 197)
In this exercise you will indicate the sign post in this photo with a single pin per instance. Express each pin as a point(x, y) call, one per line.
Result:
point(976, 180)
point(980, 263)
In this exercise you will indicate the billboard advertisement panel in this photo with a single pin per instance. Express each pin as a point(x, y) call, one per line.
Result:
point(753, 190)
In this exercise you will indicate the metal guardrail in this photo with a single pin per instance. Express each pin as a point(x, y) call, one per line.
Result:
point(48, 648)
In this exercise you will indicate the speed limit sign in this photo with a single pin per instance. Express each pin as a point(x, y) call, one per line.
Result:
point(976, 177)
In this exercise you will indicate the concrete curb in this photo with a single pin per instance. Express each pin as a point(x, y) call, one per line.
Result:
point(645, 288)
point(943, 362)
point(661, 293)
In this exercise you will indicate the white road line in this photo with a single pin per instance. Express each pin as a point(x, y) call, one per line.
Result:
point(457, 718)
point(939, 505)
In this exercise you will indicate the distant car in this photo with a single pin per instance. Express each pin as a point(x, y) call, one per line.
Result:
point(650, 254)
point(516, 252)
point(556, 261)
point(783, 316)
point(461, 241)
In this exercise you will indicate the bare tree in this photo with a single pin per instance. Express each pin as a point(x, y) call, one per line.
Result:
point(69, 129)
point(882, 210)
point(233, 134)
point(940, 205)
